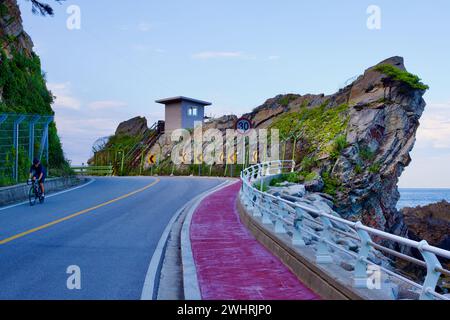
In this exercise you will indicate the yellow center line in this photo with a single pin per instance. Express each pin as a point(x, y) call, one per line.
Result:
point(47, 225)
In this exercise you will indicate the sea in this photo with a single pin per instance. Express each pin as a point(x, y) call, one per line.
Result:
point(421, 197)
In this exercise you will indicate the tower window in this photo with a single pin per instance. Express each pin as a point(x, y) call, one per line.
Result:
point(192, 111)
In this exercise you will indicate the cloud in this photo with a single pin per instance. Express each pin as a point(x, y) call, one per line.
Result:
point(435, 126)
point(106, 104)
point(63, 96)
point(144, 26)
point(218, 54)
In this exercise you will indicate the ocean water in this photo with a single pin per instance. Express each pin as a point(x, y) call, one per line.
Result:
point(421, 197)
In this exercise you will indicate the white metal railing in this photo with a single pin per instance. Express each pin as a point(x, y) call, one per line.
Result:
point(291, 216)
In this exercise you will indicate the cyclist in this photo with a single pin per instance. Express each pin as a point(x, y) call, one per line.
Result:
point(38, 172)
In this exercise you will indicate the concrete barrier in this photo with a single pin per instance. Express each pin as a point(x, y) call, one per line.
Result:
point(18, 193)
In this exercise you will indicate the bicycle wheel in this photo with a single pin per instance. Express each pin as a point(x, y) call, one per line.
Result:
point(41, 198)
point(32, 197)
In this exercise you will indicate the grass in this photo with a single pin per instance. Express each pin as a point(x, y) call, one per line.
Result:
point(375, 168)
point(319, 126)
point(365, 154)
point(409, 79)
point(264, 187)
point(293, 177)
point(332, 184)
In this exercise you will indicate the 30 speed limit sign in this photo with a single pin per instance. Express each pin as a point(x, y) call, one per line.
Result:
point(243, 125)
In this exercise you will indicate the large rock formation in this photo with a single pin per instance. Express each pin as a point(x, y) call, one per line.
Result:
point(352, 145)
point(357, 140)
point(133, 127)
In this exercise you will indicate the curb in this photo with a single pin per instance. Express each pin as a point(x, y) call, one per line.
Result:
point(151, 283)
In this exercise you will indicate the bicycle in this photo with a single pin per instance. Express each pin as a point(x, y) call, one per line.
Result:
point(35, 192)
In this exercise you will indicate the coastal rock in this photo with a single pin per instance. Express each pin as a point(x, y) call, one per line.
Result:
point(430, 222)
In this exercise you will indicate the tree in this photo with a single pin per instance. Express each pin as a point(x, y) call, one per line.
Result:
point(44, 9)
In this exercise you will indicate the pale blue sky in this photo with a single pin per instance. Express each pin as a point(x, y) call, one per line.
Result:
point(236, 54)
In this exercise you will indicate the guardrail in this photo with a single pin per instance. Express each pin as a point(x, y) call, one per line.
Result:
point(93, 170)
point(290, 216)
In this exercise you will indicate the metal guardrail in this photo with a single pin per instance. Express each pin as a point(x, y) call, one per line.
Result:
point(291, 216)
point(93, 170)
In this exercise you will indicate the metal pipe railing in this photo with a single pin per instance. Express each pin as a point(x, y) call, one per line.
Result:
point(277, 210)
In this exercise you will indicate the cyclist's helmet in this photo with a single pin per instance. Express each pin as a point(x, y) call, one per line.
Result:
point(36, 161)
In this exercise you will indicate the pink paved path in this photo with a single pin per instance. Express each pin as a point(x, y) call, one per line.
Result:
point(231, 264)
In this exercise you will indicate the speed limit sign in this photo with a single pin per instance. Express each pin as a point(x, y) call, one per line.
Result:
point(243, 125)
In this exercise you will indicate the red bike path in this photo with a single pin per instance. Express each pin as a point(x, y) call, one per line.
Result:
point(231, 264)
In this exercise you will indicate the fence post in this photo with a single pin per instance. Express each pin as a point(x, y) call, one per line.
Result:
point(297, 239)
point(31, 137)
point(279, 224)
point(266, 206)
point(360, 272)
point(323, 253)
point(17, 123)
point(432, 277)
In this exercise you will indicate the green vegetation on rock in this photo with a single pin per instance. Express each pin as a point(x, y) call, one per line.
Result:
point(23, 90)
point(332, 184)
point(319, 126)
point(396, 74)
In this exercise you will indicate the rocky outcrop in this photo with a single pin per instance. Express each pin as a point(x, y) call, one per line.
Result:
point(133, 127)
point(352, 145)
point(11, 29)
point(430, 222)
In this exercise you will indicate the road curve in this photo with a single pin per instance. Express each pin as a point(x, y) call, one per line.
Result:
point(109, 229)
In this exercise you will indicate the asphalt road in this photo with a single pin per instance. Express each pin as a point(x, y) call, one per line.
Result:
point(109, 229)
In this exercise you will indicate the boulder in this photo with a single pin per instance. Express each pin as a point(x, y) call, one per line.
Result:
point(133, 127)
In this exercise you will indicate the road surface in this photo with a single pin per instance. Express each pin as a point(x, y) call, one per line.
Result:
point(109, 229)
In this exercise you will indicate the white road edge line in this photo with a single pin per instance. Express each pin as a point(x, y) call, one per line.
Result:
point(149, 290)
point(92, 180)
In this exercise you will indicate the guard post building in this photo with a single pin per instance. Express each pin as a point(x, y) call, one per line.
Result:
point(182, 112)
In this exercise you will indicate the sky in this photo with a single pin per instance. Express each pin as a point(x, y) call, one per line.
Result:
point(236, 54)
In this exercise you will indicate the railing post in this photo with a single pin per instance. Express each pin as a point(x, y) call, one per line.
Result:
point(279, 224)
point(323, 253)
point(432, 277)
point(257, 206)
point(297, 239)
point(360, 272)
point(266, 219)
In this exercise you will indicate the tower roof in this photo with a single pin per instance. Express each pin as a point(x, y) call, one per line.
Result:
point(180, 99)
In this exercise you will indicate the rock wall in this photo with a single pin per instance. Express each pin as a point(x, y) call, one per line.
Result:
point(11, 29)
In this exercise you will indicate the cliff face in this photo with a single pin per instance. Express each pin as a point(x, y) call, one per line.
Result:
point(11, 30)
point(356, 141)
point(22, 84)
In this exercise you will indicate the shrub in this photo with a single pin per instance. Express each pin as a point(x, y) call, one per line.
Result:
point(264, 188)
point(375, 168)
point(366, 154)
point(405, 77)
point(331, 184)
